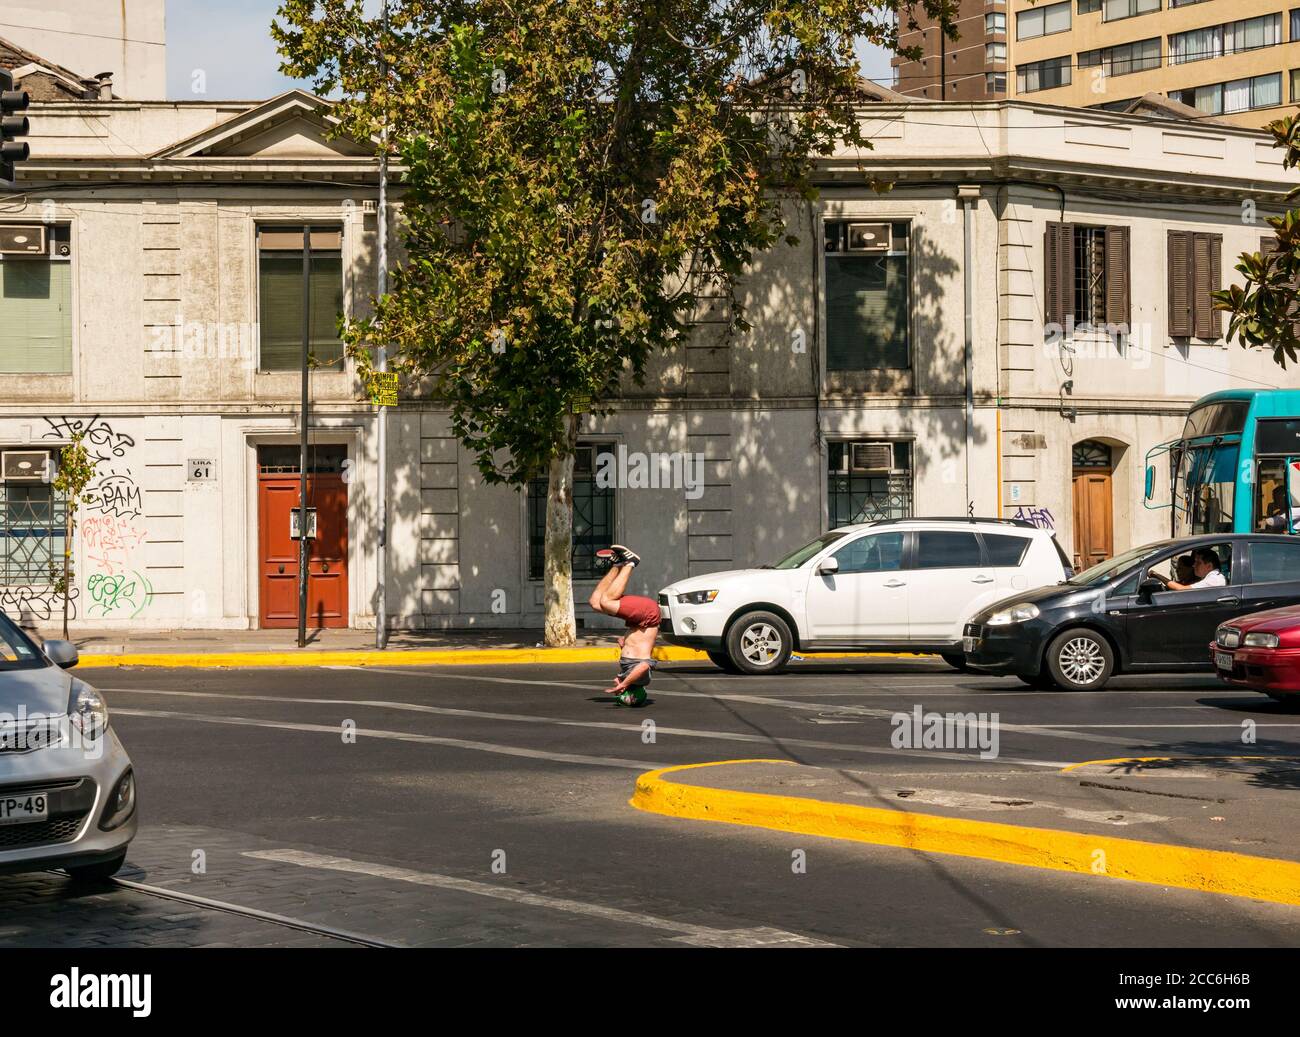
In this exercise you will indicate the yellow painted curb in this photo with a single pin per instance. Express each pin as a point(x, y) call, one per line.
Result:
point(412, 657)
point(1209, 871)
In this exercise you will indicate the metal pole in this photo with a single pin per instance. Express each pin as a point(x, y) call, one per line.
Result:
point(381, 362)
point(968, 204)
point(302, 454)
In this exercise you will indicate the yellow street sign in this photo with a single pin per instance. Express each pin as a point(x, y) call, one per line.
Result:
point(383, 389)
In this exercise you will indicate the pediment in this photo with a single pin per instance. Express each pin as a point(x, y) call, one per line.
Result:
point(295, 125)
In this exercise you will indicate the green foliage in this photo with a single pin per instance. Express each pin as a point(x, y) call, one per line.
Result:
point(1264, 311)
point(577, 178)
point(74, 473)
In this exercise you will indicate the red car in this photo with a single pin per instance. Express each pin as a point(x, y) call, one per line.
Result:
point(1261, 651)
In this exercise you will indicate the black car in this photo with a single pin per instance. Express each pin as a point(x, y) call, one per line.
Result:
point(1120, 617)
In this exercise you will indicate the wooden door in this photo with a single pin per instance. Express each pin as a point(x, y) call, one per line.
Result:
point(1094, 534)
point(327, 572)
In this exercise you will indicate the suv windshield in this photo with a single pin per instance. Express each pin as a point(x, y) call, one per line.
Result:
point(17, 652)
point(793, 561)
point(1112, 567)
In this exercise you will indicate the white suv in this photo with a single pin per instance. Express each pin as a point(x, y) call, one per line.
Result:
point(897, 585)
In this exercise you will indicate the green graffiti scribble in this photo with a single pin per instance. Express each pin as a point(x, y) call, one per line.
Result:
point(112, 592)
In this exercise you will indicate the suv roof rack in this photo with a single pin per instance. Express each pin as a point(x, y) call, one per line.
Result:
point(1022, 523)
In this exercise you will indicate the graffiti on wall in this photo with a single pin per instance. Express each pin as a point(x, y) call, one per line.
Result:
point(115, 493)
point(118, 594)
point(28, 603)
point(110, 530)
point(1039, 517)
point(110, 540)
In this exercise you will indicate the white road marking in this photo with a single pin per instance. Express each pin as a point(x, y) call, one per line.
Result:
point(400, 736)
point(635, 727)
point(1053, 731)
point(692, 935)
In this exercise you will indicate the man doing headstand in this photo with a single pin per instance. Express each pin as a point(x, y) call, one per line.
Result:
point(642, 618)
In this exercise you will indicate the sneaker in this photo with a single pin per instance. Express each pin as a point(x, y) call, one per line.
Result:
point(624, 556)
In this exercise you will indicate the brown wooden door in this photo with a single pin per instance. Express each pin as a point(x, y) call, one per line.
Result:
point(327, 562)
point(1094, 534)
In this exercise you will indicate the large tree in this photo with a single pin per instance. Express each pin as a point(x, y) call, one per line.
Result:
point(576, 175)
point(1265, 311)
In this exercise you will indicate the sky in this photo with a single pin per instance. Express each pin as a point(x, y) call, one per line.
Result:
point(227, 51)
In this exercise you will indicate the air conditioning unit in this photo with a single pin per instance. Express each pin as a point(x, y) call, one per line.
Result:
point(25, 465)
point(871, 457)
point(22, 240)
point(868, 237)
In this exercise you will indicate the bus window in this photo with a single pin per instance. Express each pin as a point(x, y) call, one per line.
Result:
point(1209, 480)
point(1276, 502)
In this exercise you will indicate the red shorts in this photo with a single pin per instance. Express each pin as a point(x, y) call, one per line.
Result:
point(638, 612)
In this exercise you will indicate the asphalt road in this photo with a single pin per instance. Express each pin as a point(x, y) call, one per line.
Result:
point(482, 806)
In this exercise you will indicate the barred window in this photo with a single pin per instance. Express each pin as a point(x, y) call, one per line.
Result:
point(31, 548)
point(862, 494)
point(593, 515)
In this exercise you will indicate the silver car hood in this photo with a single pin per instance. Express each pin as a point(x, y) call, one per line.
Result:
point(45, 691)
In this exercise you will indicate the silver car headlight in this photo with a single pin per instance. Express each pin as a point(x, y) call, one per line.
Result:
point(696, 597)
point(1015, 614)
point(88, 711)
point(1262, 641)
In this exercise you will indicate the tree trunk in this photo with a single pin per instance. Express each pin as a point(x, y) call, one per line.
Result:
point(561, 630)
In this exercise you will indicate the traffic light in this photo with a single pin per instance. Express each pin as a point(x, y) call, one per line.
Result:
point(12, 126)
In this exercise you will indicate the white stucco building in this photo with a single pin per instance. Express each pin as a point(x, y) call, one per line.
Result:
point(162, 319)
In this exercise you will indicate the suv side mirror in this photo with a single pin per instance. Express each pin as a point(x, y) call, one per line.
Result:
point(61, 653)
point(828, 567)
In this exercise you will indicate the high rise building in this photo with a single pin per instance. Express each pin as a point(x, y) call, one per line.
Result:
point(972, 68)
point(1236, 61)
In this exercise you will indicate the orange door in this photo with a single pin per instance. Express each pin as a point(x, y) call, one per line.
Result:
point(327, 572)
point(1093, 529)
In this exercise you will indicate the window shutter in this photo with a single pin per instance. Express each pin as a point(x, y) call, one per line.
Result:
point(1180, 291)
point(35, 317)
point(1201, 312)
point(1209, 279)
point(1117, 277)
point(1059, 273)
point(1268, 244)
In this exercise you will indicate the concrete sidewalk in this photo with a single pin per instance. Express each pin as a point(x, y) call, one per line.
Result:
point(1214, 824)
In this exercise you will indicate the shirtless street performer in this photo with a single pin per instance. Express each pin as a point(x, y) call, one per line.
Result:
point(642, 618)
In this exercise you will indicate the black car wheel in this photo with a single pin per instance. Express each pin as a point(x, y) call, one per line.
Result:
point(957, 662)
point(723, 662)
point(759, 642)
point(1080, 659)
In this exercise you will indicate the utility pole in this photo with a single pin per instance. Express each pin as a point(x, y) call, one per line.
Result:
point(303, 527)
point(381, 360)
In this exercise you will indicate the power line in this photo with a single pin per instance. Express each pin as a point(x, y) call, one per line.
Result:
point(88, 35)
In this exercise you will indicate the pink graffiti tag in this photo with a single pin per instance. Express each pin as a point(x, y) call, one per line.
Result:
point(110, 540)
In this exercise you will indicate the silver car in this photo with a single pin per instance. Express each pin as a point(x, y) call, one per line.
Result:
point(67, 789)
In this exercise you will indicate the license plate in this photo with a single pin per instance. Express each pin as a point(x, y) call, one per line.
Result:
point(17, 809)
point(968, 644)
point(1223, 660)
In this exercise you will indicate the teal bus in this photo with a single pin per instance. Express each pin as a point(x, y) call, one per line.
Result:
point(1236, 466)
